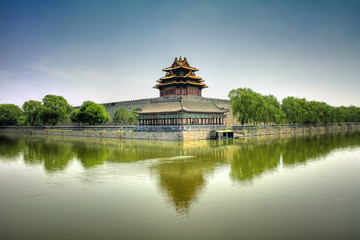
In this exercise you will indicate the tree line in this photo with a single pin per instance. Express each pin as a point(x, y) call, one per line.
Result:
point(54, 110)
point(250, 107)
point(247, 106)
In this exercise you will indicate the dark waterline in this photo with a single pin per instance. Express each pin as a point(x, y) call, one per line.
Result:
point(300, 187)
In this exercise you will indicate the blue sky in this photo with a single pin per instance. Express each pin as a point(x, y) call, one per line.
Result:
point(108, 51)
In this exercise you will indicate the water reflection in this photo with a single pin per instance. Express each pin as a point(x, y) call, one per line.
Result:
point(90, 155)
point(181, 169)
point(183, 178)
point(49, 152)
point(10, 148)
point(253, 158)
point(299, 150)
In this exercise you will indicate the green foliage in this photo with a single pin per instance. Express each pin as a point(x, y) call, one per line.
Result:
point(90, 113)
point(33, 111)
point(56, 109)
point(21, 121)
point(318, 112)
point(74, 116)
point(133, 116)
point(245, 104)
point(272, 110)
point(251, 107)
point(9, 114)
point(123, 116)
point(294, 109)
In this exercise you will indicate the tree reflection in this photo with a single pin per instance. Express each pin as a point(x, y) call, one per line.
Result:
point(10, 148)
point(299, 150)
point(181, 169)
point(90, 155)
point(254, 158)
point(52, 154)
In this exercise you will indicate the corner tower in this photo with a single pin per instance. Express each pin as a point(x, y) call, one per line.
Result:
point(180, 79)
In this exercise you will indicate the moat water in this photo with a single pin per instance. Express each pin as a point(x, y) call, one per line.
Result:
point(300, 187)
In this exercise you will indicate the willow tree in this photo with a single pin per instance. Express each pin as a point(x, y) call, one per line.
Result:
point(272, 110)
point(33, 111)
point(247, 106)
point(294, 109)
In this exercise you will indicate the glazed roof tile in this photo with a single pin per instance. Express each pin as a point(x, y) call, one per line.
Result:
point(181, 83)
point(187, 105)
point(180, 63)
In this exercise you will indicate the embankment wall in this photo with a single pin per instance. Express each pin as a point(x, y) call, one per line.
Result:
point(263, 130)
point(178, 133)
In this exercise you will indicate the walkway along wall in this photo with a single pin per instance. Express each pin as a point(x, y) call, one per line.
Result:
point(177, 133)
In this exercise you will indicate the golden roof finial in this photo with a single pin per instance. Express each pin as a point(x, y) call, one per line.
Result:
point(180, 58)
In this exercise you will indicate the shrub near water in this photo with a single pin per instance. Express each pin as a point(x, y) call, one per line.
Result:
point(90, 113)
point(56, 109)
point(9, 114)
point(123, 116)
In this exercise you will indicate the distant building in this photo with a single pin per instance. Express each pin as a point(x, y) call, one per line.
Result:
point(181, 101)
point(180, 79)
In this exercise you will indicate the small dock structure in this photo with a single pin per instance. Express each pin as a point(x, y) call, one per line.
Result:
point(221, 134)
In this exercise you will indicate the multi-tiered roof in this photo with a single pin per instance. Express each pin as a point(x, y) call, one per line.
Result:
point(180, 79)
